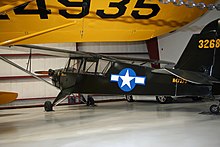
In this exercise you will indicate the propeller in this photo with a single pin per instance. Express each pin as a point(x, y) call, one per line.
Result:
point(41, 72)
point(50, 72)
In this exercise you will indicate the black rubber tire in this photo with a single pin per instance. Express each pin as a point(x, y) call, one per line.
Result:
point(129, 98)
point(90, 101)
point(164, 99)
point(48, 106)
point(214, 109)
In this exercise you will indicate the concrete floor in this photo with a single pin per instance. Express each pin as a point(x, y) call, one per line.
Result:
point(114, 124)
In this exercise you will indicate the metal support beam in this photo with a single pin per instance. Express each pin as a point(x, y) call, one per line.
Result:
point(24, 70)
point(153, 51)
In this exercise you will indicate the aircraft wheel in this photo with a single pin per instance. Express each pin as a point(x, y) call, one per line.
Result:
point(90, 101)
point(129, 98)
point(214, 109)
point(48, 106)
point(164, 99)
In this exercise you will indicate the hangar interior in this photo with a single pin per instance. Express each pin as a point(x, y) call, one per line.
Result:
point(109, 124)
point(29, 88)
point(15, 80)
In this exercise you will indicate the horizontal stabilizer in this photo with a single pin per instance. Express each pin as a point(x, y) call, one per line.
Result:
point(189, 76)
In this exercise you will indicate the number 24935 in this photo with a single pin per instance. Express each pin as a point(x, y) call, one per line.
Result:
point(120, 6)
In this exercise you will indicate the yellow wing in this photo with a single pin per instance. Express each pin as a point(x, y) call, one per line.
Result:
point(47, 21)
point(7, 97)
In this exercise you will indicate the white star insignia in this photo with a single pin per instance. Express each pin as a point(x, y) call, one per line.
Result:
point(126, 79)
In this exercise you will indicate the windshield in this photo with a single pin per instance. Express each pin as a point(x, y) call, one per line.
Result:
point(73, 65)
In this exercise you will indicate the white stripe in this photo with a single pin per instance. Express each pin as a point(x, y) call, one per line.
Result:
point(114, 78)
point(140, 80)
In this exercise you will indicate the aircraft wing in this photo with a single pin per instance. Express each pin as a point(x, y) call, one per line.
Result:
point(144, 60)
point(47, 50)
point(55, 51)
point(49, 21)
point(189, 76)
point(67, 53)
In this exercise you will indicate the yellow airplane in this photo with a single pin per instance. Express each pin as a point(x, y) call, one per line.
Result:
point(7, 97)
point(48, 21)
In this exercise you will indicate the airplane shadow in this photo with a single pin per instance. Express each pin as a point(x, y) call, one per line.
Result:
point(6, 115)
point(209, 113)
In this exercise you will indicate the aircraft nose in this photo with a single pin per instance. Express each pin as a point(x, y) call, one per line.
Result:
point(51, 72)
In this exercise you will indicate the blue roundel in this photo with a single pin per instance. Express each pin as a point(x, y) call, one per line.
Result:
point(127, 79)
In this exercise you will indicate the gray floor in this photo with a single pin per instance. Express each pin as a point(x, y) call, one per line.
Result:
point(118, 124)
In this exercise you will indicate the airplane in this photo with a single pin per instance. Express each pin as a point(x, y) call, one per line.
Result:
point(196, 74)
point(7, 97)
point(49, 21)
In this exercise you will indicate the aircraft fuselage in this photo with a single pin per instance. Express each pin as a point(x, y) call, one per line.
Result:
point(128, 79)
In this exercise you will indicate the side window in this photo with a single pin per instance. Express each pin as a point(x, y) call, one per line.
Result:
point(98, 67)
point(73, 65)
point(103, 66)
point(90, 67)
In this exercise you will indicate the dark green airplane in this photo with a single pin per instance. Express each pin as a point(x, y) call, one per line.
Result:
point(196, 74)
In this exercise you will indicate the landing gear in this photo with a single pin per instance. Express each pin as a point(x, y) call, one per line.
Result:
point(214, 108)
point(129, 98)
point(197, 99)
point(48, 106)
point(164, 99)
point(90, 101)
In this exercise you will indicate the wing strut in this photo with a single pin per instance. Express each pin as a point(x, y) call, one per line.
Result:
point(29, 61)
point(24, 70)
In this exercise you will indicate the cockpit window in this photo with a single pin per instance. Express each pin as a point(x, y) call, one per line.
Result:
point(91, 67)
point(73, 65)
point(88, 66)
point(103, 67)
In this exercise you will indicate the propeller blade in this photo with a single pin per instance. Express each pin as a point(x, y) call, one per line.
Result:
point(42, 72)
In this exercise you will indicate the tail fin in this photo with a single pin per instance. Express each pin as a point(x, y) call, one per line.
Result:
point(202, 54)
